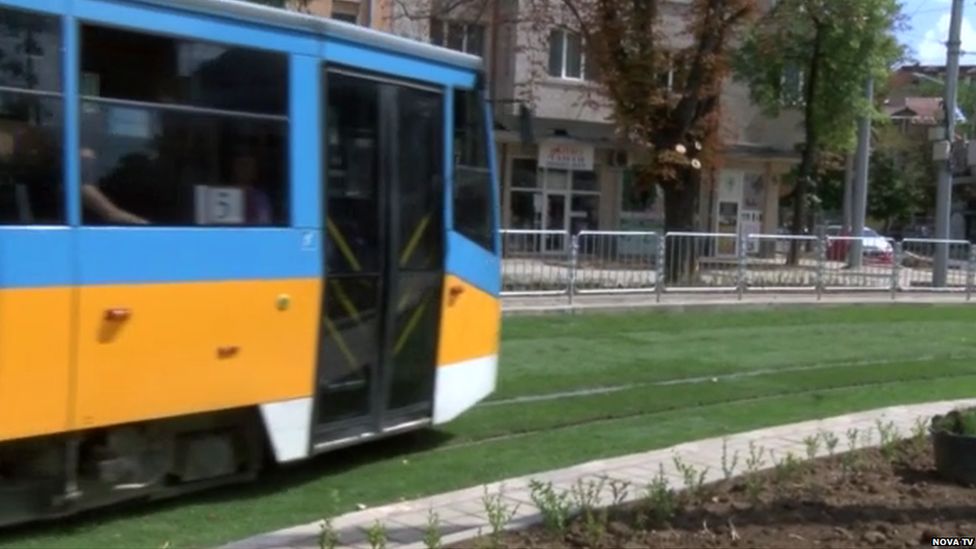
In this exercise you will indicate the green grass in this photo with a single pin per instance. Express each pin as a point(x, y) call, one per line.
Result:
point(799, 364)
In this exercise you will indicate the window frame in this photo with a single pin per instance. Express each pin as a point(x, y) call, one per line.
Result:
point(466, 27)
point(285, 204)
point(564, 35)
point(452, 165)
point(59, 95)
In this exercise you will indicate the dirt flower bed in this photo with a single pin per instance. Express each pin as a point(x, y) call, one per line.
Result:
point(882, 497)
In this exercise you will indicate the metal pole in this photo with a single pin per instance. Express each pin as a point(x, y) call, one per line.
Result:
point(848, 193)
point(740, 277)
point(821, 264)
point(659, 272)
point(573, 262)
point(896, 269)
point(970, 265)
point(860, 190)
point(943, 206)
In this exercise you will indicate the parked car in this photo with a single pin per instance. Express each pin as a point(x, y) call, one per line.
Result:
point(874, 247)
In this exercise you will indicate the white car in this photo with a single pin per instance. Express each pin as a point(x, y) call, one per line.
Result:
point(873, 245)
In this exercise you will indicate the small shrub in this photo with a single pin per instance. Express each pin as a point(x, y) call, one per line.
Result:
point(830, 441)
point(693, 478)
point(555, 508)
point(728, 466)
point(918, 443)
point(499, 515)
point(919, 429)
point(376, 535)
point(849, 461)
point(432, 534)
point(812, 444)
point(787, 469)
point(754, 463)
point(852, 439)
point(586, 496)
point(889, 436)
point(660, 498)
point(619, 489)
point(328, 536)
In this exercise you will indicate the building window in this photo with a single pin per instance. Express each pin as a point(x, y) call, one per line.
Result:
point(345, 17)
point(182, 133)
point(565, 54)
point(473, 205)
point(463, 37)
point(31, 120)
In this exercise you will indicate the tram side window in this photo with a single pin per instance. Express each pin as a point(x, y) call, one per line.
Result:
point(473, 215)
point(31, 119)
point(181, 133)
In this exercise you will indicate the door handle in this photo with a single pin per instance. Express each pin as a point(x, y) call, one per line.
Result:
point(227, 351)
point(117, 314)
point(454, 293)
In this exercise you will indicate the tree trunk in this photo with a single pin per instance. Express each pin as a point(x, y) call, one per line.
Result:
point(810, 148)
point(681, 253)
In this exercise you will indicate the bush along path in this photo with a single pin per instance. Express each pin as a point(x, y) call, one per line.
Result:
point(755, 471)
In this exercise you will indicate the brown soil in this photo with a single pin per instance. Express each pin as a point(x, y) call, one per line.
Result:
point(868, 501)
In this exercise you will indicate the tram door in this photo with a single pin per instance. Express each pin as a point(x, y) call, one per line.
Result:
point(384, 201)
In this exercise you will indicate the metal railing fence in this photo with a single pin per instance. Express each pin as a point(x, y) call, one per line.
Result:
point(554, 263)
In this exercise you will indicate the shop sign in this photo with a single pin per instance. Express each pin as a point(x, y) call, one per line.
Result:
point(566, 156)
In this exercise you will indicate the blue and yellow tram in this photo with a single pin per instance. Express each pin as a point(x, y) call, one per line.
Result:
point(230, 232)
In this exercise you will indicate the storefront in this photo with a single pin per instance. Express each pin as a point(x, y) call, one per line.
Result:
point(570, 185)
point(557, 189)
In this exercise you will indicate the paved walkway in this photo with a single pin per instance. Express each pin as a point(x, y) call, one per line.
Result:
point(462, 513)
point(518, 305)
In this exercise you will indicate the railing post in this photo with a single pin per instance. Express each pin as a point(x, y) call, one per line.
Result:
point(740, 278)
point(659, 267)
point(821, 264)
point(896, 269)
point(970, 265)
point(573, 259)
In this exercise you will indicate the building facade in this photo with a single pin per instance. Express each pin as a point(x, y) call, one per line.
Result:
point(561, 165)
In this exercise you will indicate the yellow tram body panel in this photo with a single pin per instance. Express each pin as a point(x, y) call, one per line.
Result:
point(35, 360)
point(470, 323)
point(194, 347)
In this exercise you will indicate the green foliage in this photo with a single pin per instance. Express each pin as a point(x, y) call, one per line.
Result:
point(432, 534)
point(844, 41)
point(960, 422)
point(376, 535)
point(660, 502)
point(554, 506)
point(900, 180)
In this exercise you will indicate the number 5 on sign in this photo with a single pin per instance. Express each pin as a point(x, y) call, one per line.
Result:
point(219, 205)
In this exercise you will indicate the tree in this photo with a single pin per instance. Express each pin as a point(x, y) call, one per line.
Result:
point(817, 55)
point(675, 119)
point(900, 183)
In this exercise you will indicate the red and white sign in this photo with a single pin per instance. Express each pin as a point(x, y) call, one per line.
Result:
point(566, 156)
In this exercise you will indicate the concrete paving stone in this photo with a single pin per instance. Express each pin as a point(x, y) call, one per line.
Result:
point(403, 534)
point(468, 507)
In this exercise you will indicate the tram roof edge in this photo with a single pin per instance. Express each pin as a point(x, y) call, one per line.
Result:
point(257, 13)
